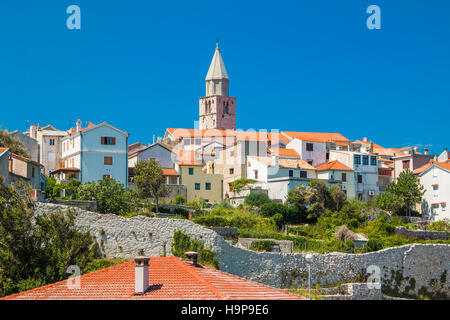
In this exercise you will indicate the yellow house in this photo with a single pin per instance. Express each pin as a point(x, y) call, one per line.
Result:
point(200, 184)
point(337, 172)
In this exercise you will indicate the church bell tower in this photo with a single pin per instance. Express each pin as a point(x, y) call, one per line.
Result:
point(217, 109)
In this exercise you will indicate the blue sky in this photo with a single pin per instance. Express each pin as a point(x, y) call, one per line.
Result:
point(293, 65)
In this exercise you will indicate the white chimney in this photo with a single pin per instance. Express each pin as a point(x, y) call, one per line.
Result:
point(141, 283)
point(416, 148)
point(365, 139)
point(425, 151)
point(78, 122)
point(33, 131)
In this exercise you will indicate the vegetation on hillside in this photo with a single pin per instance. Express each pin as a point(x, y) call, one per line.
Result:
point(36, 253)
point(14, 144)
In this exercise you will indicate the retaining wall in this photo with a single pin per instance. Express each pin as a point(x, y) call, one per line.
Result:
point(407, 270)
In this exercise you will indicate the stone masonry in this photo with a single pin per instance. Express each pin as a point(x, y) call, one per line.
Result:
point(406, 270)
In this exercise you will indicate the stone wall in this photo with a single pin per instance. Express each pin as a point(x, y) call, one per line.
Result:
point(407, 270)
point(421, 234)
point(284, 246)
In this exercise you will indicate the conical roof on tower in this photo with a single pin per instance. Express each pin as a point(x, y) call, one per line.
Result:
point(217, 68)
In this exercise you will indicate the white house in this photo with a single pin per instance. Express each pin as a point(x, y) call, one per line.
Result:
point(435, 178)
point(313, 146)
point(279, 175)
point(94, 153)
point(365, 167)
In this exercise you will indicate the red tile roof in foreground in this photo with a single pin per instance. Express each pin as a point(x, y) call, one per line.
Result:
point(333, 165)
point(170, 279)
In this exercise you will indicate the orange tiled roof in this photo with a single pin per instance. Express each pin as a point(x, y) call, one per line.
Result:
point(295, 163)
point(170, 279)
point(170, 172)
point(315, 136)
point(284, 152)
point(423, 168)
point(333, 165)
point(239, 135)
point(375, 146)
point(3, 149)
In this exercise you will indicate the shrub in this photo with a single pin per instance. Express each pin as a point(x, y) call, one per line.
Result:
point(270, 209)
point(183, 243)
point(180, 199)
point(278, 219)
point(443, 225)
point(111, 196)
point(256, 199)
point(374, 244)
point(182, 212)
point(263, 245)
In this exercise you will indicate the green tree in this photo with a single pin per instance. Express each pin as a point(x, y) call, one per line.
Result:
point(402, 194)
point(316, 198)
point(50, 187)
point(149, 180)
point(36, 253)
point(256, 199)
point(14, 144)
point(111, 196)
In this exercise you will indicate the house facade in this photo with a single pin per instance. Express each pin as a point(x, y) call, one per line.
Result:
point(365, 167)
point(435, 178)
point(15, 168)
point(94, 153)
point(200, 184)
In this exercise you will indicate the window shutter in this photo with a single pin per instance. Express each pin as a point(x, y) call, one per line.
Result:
point(113, 142)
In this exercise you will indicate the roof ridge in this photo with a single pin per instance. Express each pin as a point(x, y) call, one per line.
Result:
point(83, 276)
point(200, 278)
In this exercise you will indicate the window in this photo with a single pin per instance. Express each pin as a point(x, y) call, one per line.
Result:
point(256, 174)
point(360, 196)
point(231, 153)
point(187, 142)
point(231, 170)
point(52, 142)
point(230, 187)
point(310, 162)
point(107, 176)
point(405, 164)
point(191, 171)
point(32, 172)
point(309, 147)
point(107, 161)
point(197, 186)
point(198, 141)
point(359, 178)
point(373, 161)
point(303, 174)
point(327, 156)
point(357, 159)
point(108, 140)
point(291, 173)
point(208, 185)
point(365, 160)
point(344, 177)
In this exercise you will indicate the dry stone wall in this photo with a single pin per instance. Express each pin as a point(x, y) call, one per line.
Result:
point(407, 270)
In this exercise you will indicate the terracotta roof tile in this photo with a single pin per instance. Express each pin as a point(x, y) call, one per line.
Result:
point(295, 163)
point(316, 136)
point(283, 152)
point(170, 279)
point(333, 165)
